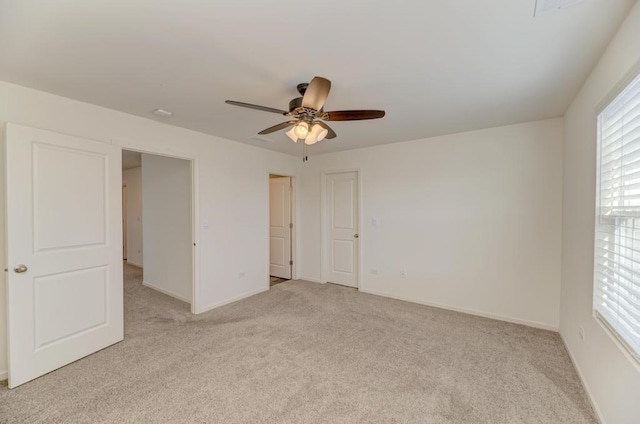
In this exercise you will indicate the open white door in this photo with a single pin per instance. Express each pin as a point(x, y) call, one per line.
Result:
point(64, 246)
point(341, 224)
point(124, 222)
point(279, 227)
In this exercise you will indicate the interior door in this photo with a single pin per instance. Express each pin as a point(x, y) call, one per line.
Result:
point(279, 227)
point(64, 249)
point(124, 222)
point(341, 224)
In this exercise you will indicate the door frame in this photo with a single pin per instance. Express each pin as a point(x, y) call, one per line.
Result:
point(196, 306)
point(294, 239)
point(323, 223)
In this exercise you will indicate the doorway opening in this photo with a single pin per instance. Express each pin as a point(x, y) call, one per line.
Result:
point(281, 229)
point(63, 216)
point(158, 223)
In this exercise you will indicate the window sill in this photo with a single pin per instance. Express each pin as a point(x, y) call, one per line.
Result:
point(619, 342)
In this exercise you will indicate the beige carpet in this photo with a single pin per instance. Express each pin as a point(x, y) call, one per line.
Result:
point(308, 353)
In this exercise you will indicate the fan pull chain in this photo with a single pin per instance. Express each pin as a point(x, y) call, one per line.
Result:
point(304, 152)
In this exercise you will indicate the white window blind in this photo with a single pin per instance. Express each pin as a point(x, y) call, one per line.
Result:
point(617, 245)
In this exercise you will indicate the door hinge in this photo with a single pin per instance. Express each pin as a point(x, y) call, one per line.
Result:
point(291, 263)
point(291, 225)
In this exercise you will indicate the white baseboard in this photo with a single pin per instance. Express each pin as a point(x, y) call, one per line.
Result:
point(167, 292)
point(134, 264)
point(4, 375)
point(593, 402)
point(534, 324)
point(232, 300)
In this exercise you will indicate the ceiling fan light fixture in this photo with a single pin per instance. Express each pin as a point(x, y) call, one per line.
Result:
point(292, 134)
point(322, 134)
point(307, 116)
point(302, 130)
point(317, 133)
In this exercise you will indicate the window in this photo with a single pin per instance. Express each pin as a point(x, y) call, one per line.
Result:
point(616, 298)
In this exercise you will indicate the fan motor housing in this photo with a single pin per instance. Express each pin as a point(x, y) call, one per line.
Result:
point(295, 103)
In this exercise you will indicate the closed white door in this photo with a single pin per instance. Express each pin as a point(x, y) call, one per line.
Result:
point(64, 245)
point(341, 224)
point(280, 227)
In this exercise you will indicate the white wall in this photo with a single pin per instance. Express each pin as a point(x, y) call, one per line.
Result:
point(233, 185)
point(167, 231)
point(474, 219)
point(132, 178)
point(610, 376)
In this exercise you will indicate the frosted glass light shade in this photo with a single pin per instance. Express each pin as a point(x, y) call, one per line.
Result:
point(301, 130)
point(292, 134)
point(317, 134)
point(323, 133)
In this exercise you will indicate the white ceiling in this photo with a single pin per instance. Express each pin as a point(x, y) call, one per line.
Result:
point(435, 66)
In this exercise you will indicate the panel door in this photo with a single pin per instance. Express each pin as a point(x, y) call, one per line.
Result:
point(124, 222)
point(64, 249)
point(341, 223)
point(279, 227)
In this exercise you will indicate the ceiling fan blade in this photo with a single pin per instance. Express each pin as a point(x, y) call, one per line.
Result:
point(277, 127)
point(316, 93)
point(257, 107)
point(331, 133)
point(353, 115)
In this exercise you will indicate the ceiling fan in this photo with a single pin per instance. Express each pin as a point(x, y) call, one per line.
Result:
point(307, 113)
